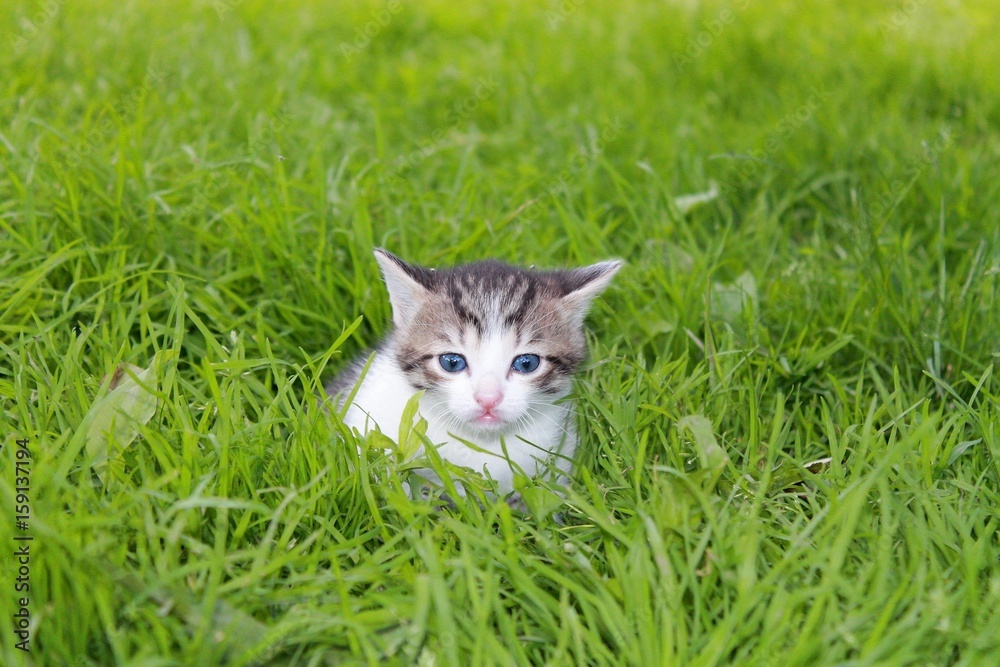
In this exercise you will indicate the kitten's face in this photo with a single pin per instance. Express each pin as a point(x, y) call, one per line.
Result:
point(488, 342)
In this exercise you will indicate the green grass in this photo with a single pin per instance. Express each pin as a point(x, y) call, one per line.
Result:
point(838, 302)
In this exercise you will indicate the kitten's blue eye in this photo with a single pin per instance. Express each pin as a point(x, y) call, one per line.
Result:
point(526, 363)
point(452, 362)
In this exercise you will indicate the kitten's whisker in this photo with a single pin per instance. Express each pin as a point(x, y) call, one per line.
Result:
point(560, 425)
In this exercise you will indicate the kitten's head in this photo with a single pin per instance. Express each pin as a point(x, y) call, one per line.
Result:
point(489, 342)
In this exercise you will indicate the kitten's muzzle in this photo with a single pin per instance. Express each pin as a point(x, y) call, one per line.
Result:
point(488, 394)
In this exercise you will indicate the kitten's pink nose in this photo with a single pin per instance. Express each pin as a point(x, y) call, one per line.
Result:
point(488, 394)
point(488, 401)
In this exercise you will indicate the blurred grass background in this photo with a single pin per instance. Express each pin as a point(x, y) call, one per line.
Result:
point(208, 179)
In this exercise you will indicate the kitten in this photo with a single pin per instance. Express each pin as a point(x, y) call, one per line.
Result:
point(494, 348)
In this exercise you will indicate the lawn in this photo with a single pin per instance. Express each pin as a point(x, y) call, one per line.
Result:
point(790, 416)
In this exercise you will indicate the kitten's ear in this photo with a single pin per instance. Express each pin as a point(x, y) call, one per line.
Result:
point(585, 283)
point(408, 285)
